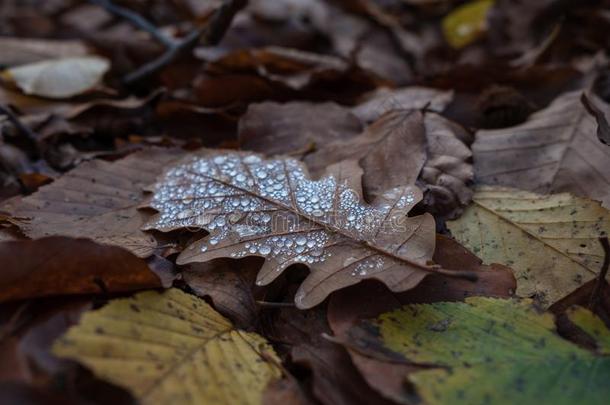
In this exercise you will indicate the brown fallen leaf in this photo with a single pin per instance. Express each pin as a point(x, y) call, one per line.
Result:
point(373, 105)
point(19, 51)
point(97, 200)
point(601, 116)
point(335, 380)
point(391, 152)
point(447, 175)
point(403, 147)
point(556, 150)
point(230, 286)
point(347, 307)
point(270, 208)
point(275, 128)
point(274, 72)
point(61, 266)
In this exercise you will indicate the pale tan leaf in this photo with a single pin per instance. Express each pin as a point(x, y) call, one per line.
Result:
point(556, 150)
point(172, 348)
point(551, 242)
point(97, 200)
point(59, 78)
point(270, 208)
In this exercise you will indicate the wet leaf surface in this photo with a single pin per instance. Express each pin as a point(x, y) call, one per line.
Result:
point(245, 202)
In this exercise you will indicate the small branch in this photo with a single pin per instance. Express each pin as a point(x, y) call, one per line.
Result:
point(601, 278)
point(18, 124)
point(211, 34)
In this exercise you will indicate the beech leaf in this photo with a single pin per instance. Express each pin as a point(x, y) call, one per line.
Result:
point(171, 348)
point(490, 350)
point(556, 150)
point(271, 208)
point(549, 241)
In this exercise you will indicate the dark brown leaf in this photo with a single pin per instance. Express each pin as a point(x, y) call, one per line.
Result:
point(61, 266)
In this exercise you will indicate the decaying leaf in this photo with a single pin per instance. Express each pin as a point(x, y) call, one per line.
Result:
point(59, 266)
point(271, 208)
point(59, 78)
point(489, 351)
point(556, 150)
point(171, 348)
point(97, 200)
point(549, 241)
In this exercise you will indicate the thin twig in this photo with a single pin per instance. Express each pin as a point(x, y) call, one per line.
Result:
point(136, 20)
point(268, 304)
point(18, 124)
point(601, 278)
point(209, 35)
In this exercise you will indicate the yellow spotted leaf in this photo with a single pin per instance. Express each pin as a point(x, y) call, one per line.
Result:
point(466, 23)
point(171, 347)
point(550, 241)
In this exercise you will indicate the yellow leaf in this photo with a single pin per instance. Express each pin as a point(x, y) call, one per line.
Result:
point(550, 241)
point(171, 348)
point(466, 23)
point(58, 78)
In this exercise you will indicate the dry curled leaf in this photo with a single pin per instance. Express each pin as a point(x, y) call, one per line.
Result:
point(271, 208)
point(59, 78)
point(403, 147)
point(549, 241)
point(391, 152)
point(555, 150)
point(172, 348)
point(97, 200)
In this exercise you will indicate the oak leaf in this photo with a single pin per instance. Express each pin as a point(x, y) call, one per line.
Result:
point(508, 347)
point(551, 242)
point(171, 348)
point(271, 208)
point(556, 150)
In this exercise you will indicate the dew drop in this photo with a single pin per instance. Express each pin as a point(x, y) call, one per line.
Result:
point(264, 249)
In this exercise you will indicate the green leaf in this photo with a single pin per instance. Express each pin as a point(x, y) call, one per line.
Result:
point(490, 351)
